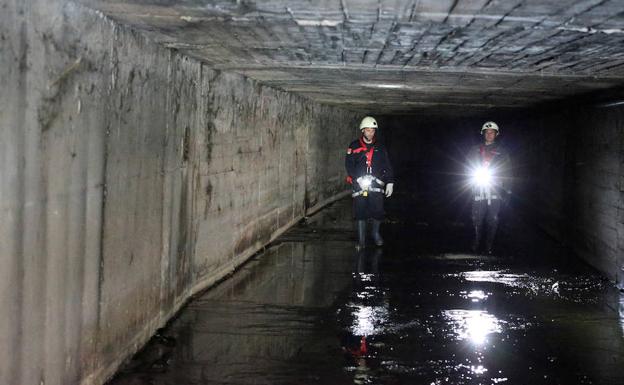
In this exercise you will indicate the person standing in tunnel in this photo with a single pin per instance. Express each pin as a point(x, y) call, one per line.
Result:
point(490, 169)
point(370, 173)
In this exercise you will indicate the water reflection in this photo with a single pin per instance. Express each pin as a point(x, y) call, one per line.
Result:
point(369, 320)
point(368, 314)
point(367, 265)
point(479, 369)
point(265, 324)
point(575, 288)
point(310, 311)
point(475, 295)
point(495, 276)
point(370, 308)
point(473, 325)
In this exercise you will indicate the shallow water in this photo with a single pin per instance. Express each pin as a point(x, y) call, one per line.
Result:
point(312, 310)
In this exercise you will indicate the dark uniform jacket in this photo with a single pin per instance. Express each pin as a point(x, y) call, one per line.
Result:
point(497, 159)
point(355, 161)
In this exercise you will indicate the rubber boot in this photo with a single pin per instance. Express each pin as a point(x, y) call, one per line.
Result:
point(361, 230)
point(376, 236)
point(477, 238)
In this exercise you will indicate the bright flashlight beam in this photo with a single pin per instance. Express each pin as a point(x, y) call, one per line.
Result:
point(482, 176)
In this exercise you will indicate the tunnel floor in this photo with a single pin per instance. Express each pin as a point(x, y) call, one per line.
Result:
point(420, 310)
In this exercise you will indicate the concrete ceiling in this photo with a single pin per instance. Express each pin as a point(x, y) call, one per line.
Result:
point(400, 56)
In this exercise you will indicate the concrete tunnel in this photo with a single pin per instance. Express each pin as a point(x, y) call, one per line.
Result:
point(151, 147)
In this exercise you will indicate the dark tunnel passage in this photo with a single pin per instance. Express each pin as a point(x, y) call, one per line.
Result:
point(423, 308)
point(174, 206)
point(564, 178)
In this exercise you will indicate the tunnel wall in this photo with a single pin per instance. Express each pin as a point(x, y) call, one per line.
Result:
point(132, 177)
point(573, 171)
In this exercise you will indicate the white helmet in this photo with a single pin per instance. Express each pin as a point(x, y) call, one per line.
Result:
point(490, 126)
point(367, 122)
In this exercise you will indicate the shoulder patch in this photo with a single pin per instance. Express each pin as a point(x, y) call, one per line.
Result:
point(349, 151)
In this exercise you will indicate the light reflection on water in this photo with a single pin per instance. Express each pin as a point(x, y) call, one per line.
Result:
point(579, 289)
point(473, 325)
point(495, 276)
point(368, 320)
point(475, 295)
point(478, 369)
point(273, 322)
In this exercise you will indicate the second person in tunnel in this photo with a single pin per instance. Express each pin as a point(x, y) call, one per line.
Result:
point(370, 173)
point(490, 170)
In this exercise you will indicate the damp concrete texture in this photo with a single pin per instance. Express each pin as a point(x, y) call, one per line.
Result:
point(151, 147)
point(312, 310)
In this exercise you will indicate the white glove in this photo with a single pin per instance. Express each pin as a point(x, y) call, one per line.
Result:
point(389, 189)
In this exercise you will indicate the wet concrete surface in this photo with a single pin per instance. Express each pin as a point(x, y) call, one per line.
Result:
point(420, 310)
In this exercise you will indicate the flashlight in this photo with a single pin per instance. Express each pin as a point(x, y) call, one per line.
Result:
point(482, 177)
point(366, 182)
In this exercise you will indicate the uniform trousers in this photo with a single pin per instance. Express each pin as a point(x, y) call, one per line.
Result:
point(369, 207)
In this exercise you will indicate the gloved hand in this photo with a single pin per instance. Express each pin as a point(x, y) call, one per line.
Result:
point(389, 189)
